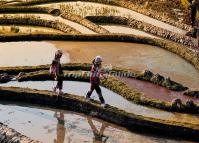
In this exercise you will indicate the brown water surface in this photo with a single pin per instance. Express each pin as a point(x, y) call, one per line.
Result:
point(58, 126)
point(155, 91)
point(134, 56)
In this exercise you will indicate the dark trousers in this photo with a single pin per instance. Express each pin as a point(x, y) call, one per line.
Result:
point(98, 90)
point(59, 83)
point(193, 15)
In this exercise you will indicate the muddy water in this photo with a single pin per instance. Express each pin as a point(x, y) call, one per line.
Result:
point(126, 30)
point(111, 98)
point(27, 53)
point(128, 55)
point(76, 26)
point(95, 9)
point(135, 56)
point(156, 91)
point(58, 126)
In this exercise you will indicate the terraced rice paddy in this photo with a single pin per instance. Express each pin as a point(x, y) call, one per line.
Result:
point(95, 9)
point(134, 50)
point(65, 126)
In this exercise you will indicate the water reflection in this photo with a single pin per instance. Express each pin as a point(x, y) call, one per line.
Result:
point(61, 130)
point(99, 136)
point(58, 126)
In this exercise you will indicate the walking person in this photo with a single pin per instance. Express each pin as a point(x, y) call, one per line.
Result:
point(56, 72)
point(95, 74)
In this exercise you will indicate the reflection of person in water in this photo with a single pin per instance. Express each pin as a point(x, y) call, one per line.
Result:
point(98, 135)
point(60, 128)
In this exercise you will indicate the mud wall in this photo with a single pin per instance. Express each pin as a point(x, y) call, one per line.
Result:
point(110, 114)
point(117, 87)
point(85, 22)
point(30, 20)
point(55, 12)
point(132, 5)
point(115, 71)
point(8, 135)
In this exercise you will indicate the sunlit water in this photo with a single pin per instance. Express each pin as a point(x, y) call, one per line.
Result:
point(111, 98)
point(28, 53)
point(58, 126)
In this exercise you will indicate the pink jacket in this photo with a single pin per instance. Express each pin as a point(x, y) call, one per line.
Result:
point(95, 74)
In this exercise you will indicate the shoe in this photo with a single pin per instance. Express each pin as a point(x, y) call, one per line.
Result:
point(103, 105)
point(88, 99)
point(60, 92)
point(54, 89)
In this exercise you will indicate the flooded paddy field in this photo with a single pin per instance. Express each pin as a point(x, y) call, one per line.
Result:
point(128, 55)
point(27, 53)
point(96, 9)
point(75, 25)
point(111, 98)
point(58, 126)
point(155, 91)
point(135, 56)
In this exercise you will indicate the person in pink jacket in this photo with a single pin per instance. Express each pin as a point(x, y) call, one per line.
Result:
point(95, 74)
point(56, 71)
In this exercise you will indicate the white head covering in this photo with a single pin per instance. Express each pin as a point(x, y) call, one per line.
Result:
point(98, 59)
point(58, 52)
